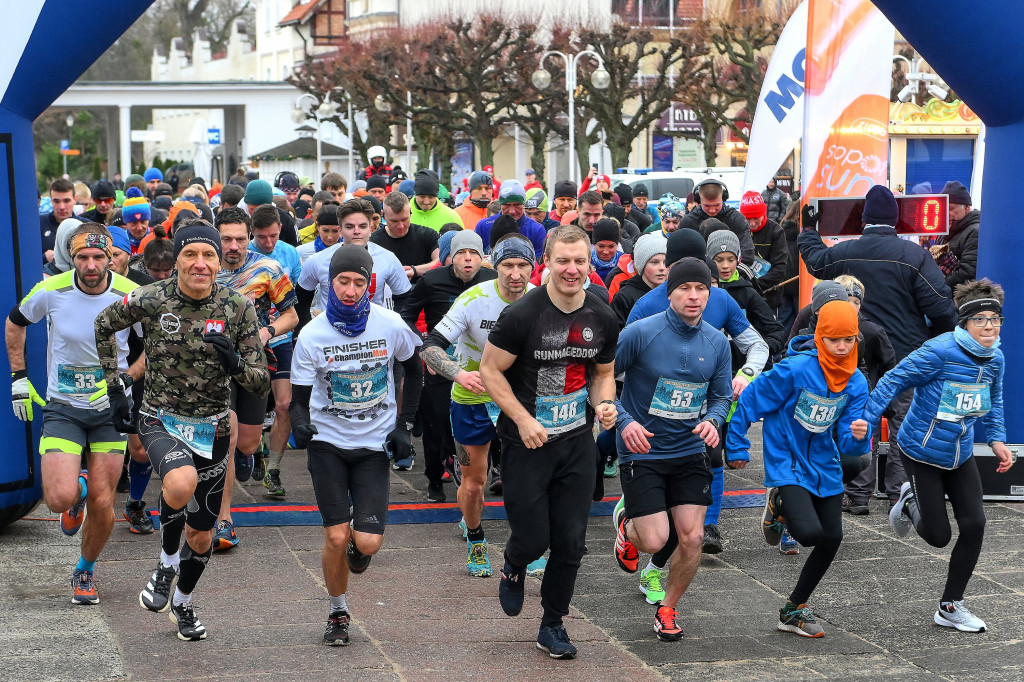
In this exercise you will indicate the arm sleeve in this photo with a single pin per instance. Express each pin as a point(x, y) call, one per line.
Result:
point(967, 265)
point(816, 255)
point(411, 387)
point(848, 445)
point(298, 408)
point(917, 369)
point(255, 377)
point(994, 421)
point(753, 346)
point(115, 317)
point(762, 397)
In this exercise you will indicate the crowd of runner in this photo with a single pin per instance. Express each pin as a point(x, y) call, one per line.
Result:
point(538, 345)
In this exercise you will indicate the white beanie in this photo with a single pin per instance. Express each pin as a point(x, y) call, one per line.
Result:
point(646, 248)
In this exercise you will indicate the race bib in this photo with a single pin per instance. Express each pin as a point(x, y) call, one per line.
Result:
point(78, 380)
point(562, 413)
point(677, 399)
point(197, 432)
point(359, 390)
point(963, 400)
point(818, 414)
point(493, 411)
point(760, 266)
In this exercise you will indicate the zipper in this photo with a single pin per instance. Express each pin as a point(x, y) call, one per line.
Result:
point(928, 434)
point(963, 425)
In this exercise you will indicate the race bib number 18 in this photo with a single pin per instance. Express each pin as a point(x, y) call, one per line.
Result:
point(197, 432)
point(562, 413)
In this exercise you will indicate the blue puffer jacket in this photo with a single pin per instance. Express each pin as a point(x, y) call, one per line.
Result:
point(946, 443)
point(793, 398)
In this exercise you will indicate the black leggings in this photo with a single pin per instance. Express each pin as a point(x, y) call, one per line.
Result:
point(813, 522)
point(927, 509)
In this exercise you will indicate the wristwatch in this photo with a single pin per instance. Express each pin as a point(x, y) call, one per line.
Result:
point(273, 332)
point(747, 372)
point(714, 422)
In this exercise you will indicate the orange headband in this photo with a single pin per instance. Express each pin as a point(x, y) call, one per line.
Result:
point(91, 240)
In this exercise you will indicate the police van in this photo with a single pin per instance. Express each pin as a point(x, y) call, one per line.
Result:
point(681, 182)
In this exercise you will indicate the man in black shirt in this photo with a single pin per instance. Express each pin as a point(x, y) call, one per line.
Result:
point(414, 245)
point(548, 365)
point(433, 295)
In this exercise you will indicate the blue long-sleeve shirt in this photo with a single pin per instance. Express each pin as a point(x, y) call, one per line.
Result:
point(529, 227)
point(671, 369)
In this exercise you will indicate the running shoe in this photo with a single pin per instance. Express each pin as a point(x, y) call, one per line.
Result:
point(85, 589)
point(477, 560)
point(244, 465)
point(435, 492)
point(139, 521)
point(403, 464)
point(611, 468)
point(555, 641)
point(464, 529)
point(898, 519)
point(268, 420)
point(788, 545)
point(799, 619)
point(712, 540)
point(72, 519)
point(357, 561)
point(854, 508)
point(666, 626)
point(272, 482)
point(495, 487)
point(959, 617)
point(772, 523)
point(446, 477)
point(189, 628)
point(157, 595)
point(626, 553)
point(510, 590)
point(225, 537)
point(336, 633)
point(650, 585)
point(535, 569)
point(259, 465)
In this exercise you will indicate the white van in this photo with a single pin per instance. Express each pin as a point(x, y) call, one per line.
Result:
point(680, 182)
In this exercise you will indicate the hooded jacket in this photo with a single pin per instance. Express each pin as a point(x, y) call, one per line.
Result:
point(470, 214)
point(758, 314)
point(793, 398)
point(930, 371)
point(629, 292)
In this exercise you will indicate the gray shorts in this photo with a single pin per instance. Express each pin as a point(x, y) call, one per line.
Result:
point(70, 429)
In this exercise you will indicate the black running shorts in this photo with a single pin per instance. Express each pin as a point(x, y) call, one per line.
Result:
point(656, 485)
point(359, 475)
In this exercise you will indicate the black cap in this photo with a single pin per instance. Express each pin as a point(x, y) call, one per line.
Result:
point(328, 215)
point(376, 182)
point(503, 224)
point(605, 230)
point(352, 258)
point(685, 243)
point(689, 270)
point(566, 188)
point(625, 193)
point(640, 191)
point(103, 190)
point(427, 183)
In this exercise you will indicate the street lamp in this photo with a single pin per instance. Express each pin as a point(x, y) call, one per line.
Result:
point(383, 106)
point(299, 114)
point(914, 77)
point(600, 79)
point(70, 120)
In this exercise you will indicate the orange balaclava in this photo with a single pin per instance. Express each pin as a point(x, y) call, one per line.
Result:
point(836, 320)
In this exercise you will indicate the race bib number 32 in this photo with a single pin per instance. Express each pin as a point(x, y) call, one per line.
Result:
point(677, 399)
point(562, 413)
point(359, 390)
point(818, 414)
point(961, 400)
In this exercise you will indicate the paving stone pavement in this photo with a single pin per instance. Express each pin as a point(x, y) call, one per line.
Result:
point(418, 616)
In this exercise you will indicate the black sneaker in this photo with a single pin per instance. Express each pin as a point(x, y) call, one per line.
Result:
point(272, 482)
point(712, 540)
point(435, 492)
point(259, 465)
point(123, 483)
point(138, 518)
point(243, 466)
point(336, 633)
point(357, 561)
point(495, 487)
point(555, 641)
point(157, 595)
point(854, 508)
point(189, 627)
point(510, 591)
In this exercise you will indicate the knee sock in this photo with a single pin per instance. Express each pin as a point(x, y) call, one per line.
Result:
point(172, 525)
point(138, 478)
point(274, 460)
point(717, 491)
point(192, 566)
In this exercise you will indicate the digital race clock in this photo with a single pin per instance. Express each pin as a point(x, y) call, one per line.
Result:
point(920, 214)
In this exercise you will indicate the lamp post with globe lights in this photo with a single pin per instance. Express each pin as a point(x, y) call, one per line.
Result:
point(600, 79)
point(321, 111)
point(382, 105)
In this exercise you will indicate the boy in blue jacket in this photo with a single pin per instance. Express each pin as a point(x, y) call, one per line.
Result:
point(957, 377)
point(811, 403)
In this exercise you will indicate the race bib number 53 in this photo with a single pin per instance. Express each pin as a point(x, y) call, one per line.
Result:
point(677, 399)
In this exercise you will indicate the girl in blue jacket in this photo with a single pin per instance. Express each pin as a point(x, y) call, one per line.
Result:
point(957, 377)
point(811, 403)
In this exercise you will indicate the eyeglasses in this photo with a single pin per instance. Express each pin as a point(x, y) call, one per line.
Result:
point(981, 322)
point(108, 201)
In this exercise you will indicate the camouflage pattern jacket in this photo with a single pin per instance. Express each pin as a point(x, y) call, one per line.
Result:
point(184, 375)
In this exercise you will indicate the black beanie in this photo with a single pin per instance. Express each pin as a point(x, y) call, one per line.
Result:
point(613, 210)
point(605, 230)
point(352, 258)
point(193, 234)
point(104, 190)
point(958, 194)
point(685, 243)
point(565, 188)
point(625, 193)
point(504, 224)
point(426, 183)
point(880, 207)
point(689, 270)
point(376, 182)
point(640, 191)
point(328, 215)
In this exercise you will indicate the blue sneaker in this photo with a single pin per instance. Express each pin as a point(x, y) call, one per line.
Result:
point(225, 537)
point(788, 545)
point(244, 465)
point(536, 568)
point(477, 560)
point(555, 641)
point(464, 530)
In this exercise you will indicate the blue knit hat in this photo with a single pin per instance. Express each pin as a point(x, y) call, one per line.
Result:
point(408, 188)
point(119, 237)
point(153, 174)
point(880, 207)
point(444, 245)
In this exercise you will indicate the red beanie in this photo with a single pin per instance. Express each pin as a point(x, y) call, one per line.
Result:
point(753, 206)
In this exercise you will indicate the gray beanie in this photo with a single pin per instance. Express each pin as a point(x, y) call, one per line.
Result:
point(722, 241)
point(467, 239)
point(646, 248)
point(826, 291)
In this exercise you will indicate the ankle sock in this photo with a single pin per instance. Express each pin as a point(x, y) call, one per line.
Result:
point(475, 534)
point(84, 565)
point(339, 603)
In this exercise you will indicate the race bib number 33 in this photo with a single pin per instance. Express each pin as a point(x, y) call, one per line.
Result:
point(818, 414)
point(77, 380)
point(562, 413)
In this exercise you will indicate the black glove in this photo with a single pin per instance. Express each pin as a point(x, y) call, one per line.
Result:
point(809, 217)
point(303, 434)
point(229, 359)
point(399, 443)
point(121, 410)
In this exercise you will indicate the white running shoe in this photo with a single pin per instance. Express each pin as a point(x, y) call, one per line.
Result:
point(898, 519)
point(961, 619)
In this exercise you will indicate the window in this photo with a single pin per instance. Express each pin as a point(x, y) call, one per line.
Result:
point(931, 163)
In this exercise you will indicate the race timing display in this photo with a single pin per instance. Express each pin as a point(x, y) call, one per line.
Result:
point(920, 214)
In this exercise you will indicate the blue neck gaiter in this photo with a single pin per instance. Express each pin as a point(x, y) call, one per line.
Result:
point(350, 320)
point(969, 344)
